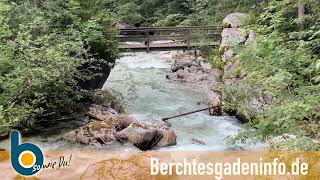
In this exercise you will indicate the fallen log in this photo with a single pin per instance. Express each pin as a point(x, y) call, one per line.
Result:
point(188, 113)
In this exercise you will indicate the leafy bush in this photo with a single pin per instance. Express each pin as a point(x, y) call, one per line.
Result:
point(283, 68)
point(44, 46)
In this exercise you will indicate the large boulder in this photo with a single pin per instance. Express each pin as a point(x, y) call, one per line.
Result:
point(107, 126)
point(232, 37)
point(140, 136)
point(95, 133)
point(235, 20)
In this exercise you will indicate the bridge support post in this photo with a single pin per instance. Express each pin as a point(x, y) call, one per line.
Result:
point(188, 40)
point(148, 41)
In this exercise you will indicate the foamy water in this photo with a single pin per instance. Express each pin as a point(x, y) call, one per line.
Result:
point(140, 79)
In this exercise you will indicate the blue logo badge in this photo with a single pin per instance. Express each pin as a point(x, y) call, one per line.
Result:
point(27, 158)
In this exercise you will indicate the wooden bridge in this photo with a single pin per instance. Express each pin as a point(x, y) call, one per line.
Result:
point(169, 38)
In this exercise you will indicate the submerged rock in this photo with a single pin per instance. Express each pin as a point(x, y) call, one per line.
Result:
point(197, 141)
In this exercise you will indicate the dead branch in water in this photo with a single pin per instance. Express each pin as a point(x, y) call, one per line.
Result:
point(188, 113)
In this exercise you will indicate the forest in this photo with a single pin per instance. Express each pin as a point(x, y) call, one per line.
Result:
point(49, 47)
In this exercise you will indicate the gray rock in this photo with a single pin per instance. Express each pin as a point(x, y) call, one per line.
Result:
point(232, 37)
point(94, 133)
point(197, 141)
point(183, 63)
point(235, 20)
point(144, 138)
point(227, 55)
point(169, 138)
point(214, 99)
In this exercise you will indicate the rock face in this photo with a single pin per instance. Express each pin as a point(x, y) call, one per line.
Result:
point(231, 37)
point(197, 72)
point(102, 70)
point(234, 20)
point(234, 36)
point(108, 126)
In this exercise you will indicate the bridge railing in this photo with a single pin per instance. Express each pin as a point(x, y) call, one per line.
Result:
point(180, 37)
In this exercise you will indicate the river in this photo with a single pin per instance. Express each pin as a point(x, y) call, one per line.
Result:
point(139, 80)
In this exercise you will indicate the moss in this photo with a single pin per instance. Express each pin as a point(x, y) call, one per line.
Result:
point(97, 126)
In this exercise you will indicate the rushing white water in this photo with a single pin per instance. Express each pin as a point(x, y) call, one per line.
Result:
point(140, 79)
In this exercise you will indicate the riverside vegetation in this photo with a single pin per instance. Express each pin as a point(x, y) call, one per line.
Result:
point(45, 46)
point(48, 50)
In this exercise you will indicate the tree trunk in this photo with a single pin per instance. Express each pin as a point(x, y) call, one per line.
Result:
point(301, 13)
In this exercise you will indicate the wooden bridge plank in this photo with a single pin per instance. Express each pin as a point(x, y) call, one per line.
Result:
point(165, 45)
point(173, 28)
point(183, 37)
point(124, 38)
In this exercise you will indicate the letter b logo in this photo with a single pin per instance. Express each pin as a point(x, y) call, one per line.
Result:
point(24, 157)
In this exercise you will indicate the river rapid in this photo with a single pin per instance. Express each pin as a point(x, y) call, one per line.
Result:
point(139, 81)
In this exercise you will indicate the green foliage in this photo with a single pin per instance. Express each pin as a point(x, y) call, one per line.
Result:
point(179, 12)
point(296, 144)
point(44, 46)
point(284, 68)
point(216, 62)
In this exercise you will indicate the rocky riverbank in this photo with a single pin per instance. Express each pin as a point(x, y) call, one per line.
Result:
point(192, 69)
point(109, 124)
